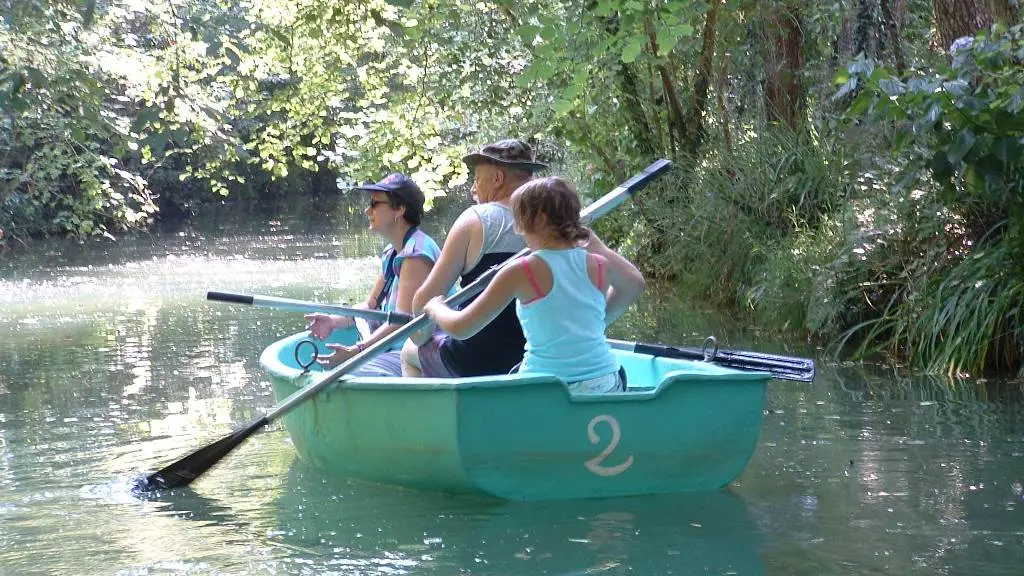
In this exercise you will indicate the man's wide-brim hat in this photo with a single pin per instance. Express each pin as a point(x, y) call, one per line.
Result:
point(510, 153)
point(398, 185)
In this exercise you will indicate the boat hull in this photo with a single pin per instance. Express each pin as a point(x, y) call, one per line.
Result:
point(681, 426)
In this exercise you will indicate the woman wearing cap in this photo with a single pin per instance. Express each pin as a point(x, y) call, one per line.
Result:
point(394, 211)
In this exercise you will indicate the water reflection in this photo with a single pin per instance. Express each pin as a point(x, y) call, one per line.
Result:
point(909, 478)
point(683, 534)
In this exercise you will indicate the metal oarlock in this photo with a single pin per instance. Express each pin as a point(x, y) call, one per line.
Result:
point(298, 359)
point(713, 343)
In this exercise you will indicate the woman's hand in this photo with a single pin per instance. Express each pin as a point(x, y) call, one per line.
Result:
point(322, 325)
point(341, 353)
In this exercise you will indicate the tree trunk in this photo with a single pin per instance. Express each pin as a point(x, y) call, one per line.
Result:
point(890, 19)
point(1005, 12)
point(676, 121)
point(640, 128)
point(783, 57)
point(695, 129)
point(652, 93)
point(632, 102)
point(865, 36)
point(957, 18)
point(842, 44)
point(721, 91)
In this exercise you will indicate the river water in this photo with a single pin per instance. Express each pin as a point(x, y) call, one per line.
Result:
point(113, 364)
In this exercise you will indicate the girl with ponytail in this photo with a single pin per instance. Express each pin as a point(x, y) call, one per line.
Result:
point(566, 291)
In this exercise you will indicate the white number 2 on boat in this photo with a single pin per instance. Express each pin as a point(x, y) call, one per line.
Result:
point(595, 463)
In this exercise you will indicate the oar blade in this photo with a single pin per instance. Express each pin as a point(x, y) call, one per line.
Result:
point(187, 469)
point(780, 367)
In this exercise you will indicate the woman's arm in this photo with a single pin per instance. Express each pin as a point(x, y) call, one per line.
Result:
point(322, 325)
point(624, 282)
point(371, 299)
point(413, 272)
point(508, 283)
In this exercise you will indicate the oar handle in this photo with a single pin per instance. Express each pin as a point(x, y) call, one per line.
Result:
point(305, 306)
point(627, 189)
point(230, 297)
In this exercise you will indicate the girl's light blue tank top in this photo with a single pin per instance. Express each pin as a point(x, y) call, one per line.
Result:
point(565, 329)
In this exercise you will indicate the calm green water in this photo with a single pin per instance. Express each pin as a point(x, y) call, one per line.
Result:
point(111, 364)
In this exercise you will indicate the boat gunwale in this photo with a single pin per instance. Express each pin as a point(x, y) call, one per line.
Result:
point(270, 361)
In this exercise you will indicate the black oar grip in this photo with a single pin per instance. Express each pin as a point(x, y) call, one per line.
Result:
point(398, 318)
point(229, 297)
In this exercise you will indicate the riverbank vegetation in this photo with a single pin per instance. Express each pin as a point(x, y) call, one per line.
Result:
point(850, 172)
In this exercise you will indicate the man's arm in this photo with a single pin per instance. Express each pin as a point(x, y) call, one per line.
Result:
point(451, 262)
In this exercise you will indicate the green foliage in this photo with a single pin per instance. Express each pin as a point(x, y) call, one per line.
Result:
point(943, 282)
point(588, 77)
point(791, 283)
point(757, 226)
point(228, 97)
point(960, 124)
point(62, 139)
point(952, 316)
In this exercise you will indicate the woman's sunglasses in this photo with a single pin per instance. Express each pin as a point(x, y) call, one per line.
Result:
point(375, 203)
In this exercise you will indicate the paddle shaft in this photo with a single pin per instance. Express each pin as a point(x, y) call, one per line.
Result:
point(187, 469)
point(305, 306)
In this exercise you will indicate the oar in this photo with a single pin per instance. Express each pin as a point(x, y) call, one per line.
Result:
point(781, 367)
point(304, 306)
point(187, 469)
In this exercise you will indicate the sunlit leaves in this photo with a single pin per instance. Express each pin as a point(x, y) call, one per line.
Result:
point(529, 33)
point(281, 87)
point(61, 122)
point(537, 71)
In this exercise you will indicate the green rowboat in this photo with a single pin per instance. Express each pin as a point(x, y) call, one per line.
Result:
point(681, 426)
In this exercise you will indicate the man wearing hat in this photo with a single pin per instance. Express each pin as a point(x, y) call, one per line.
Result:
point(481, 237)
